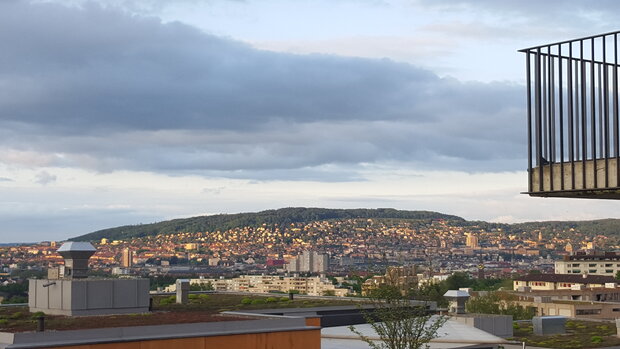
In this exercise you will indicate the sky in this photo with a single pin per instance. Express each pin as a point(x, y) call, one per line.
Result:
point(135, 111)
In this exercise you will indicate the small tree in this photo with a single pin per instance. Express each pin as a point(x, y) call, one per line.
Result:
point(398, 323)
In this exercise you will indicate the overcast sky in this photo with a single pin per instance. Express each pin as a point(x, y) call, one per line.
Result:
point(133, 111)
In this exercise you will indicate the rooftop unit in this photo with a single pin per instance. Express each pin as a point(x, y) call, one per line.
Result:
point(572, 118)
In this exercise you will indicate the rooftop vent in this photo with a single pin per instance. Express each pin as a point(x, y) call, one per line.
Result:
point(76, 255)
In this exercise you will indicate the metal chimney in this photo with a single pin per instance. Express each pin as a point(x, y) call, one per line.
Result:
point(76, 255)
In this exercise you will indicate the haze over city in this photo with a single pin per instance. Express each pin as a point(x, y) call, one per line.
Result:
point(125, 112)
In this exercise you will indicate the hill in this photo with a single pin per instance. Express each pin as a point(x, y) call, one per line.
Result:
point(284, 216)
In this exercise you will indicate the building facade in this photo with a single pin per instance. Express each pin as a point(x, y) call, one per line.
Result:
point(607, 263)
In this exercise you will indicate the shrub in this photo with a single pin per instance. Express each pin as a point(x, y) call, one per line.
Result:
point(37, 315)
point(271, 300)
point(283, 299)
point(246, 301)
point(3, 322)
point(16, 315)
point(193, 296)
point(596, 339)
point(166, 301)
point(258, 301)
point(203, 296)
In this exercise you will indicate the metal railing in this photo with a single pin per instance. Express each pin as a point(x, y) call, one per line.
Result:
point(572, 111)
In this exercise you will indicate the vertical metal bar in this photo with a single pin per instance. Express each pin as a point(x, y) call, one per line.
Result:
point(605, 110)
point(616, 123)
point(537, 101)
point(528, 79)
point(593, 114)
point(600, 110)
point(577, 111)
point(561, 111)
point(544, 115)
point(550, 117)
point(584, 134)
point(571, 143)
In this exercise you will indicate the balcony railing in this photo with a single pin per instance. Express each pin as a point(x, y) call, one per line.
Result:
point(572, 118)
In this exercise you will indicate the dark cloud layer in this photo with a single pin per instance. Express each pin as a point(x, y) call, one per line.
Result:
point(97, 88)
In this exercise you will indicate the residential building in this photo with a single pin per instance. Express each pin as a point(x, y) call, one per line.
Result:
point(313, 286)
point(127, 258)
point(309, 261)
point(561, 281)
point(605, 263)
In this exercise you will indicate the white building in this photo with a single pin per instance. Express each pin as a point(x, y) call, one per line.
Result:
point(309, 261)
point(312, 286)
point(607, 263)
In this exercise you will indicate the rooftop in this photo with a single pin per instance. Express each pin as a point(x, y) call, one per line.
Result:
point(578, 279)
point(202, 308)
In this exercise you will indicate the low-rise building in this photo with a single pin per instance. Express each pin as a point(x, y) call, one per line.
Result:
point(312, 286)
point(561, 281)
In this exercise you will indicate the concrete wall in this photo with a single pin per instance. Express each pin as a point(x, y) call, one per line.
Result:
point(498, 325)
point(89, 296)
point(556, 169)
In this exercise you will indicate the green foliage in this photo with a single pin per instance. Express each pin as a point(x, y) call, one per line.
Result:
point(3, 322)
point(271, 300)
point(258, 301)
point(246, 301)
point(16, 300)
point(329, 293)
point(203, 296)
point(193, 296)
point(493, 303)
point(37, 315)
point(281, 217)
point(596, 339)
point(398, 324)
point(16, 315)
point(283, 299)
point(165, 301)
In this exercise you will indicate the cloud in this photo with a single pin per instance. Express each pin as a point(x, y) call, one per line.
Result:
point(45, 178)
point(96, 88)
point(5, 179)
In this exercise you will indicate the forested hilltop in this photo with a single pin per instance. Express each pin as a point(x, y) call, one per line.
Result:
point(287, 216)
point(281, 217)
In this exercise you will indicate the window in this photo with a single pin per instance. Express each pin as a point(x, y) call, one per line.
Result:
point(577, 264)
point(609, 271)
point(608, 265)
point(576, 271)
point(592, 265)
point(588, 311)
point(616, 309)
point(592, 271)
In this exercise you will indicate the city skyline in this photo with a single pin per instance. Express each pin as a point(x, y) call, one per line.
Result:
point(141, 111)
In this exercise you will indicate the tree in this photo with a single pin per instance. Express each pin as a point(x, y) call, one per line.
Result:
point(398, 323)
point(208, 286)
point(499, 303)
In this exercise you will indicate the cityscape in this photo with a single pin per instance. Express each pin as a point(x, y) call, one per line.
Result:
point(312, 174)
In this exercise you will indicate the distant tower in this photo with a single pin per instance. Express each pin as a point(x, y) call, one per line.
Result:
point(127, 258)
point(480, 268)
point(472, 240)
point(540, 238)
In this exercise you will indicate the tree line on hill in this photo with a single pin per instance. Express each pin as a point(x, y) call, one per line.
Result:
point(287, 216)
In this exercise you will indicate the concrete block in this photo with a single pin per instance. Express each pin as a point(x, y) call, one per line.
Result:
point(546, 325)
point(182, 291)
